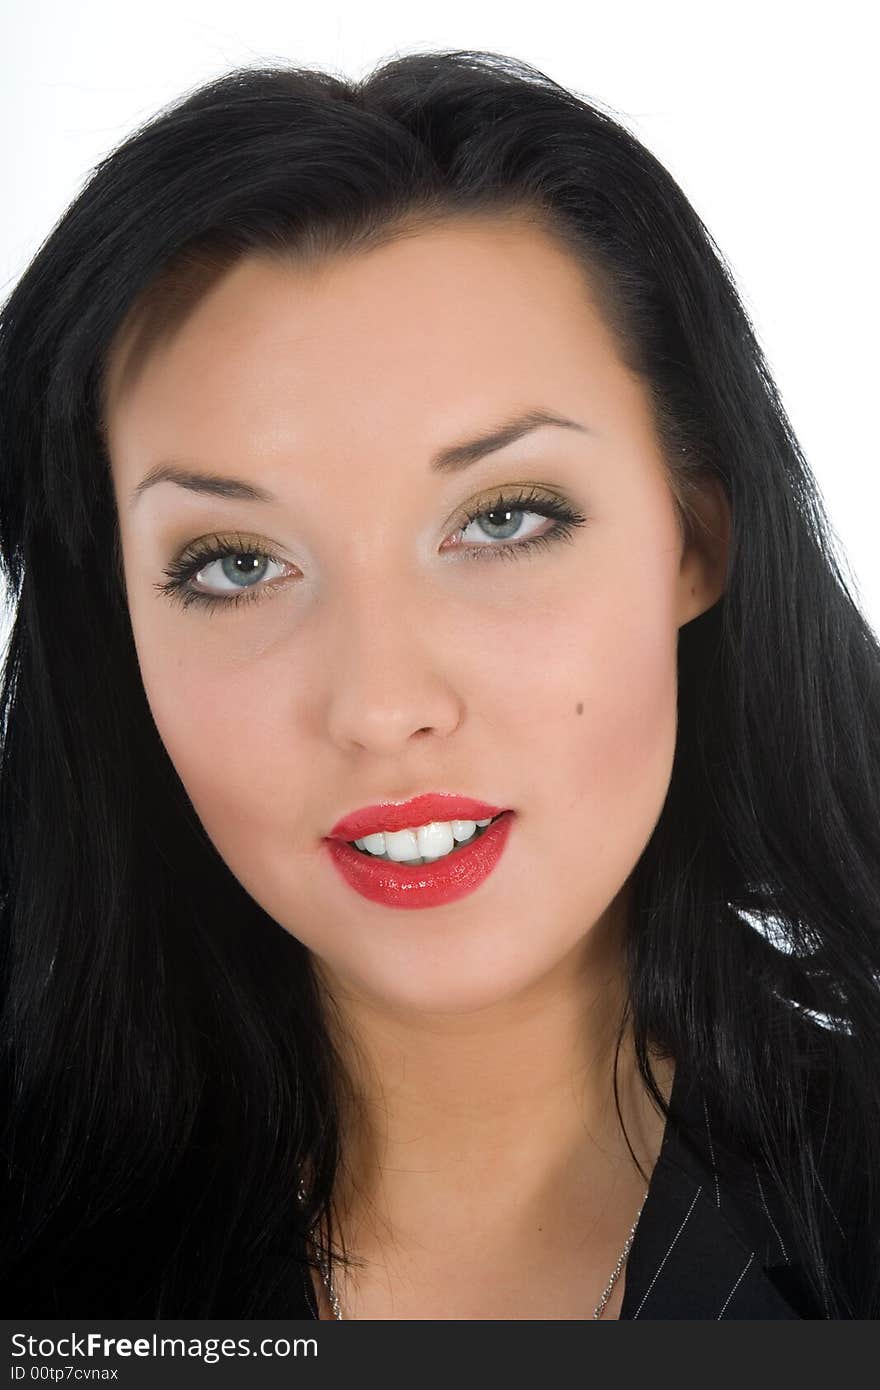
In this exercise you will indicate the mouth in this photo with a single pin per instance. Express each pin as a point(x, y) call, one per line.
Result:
point(459, 845)
point(424, 882)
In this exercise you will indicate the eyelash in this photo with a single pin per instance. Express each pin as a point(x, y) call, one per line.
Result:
point(204, 552)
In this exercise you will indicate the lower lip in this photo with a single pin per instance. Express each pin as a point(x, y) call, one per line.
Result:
point(423, 885)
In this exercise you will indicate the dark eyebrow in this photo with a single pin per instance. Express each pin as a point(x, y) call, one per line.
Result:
point(210, 483)
point(457, 456)
point(451, 459)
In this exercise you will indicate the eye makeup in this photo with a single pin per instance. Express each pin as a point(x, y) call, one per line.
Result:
point(196, 557)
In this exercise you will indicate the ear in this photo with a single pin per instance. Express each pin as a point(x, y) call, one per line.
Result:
point(703, 575)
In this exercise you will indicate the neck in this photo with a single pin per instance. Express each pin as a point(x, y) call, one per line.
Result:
point(498, 1123)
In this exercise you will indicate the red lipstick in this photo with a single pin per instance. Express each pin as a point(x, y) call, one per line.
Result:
point(401, 815)
point(395, 884)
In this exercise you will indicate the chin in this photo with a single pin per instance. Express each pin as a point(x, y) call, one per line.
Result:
point(453, 987)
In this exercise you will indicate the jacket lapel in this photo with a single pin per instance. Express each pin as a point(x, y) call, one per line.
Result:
point(707, 1244)
point(690, 1262)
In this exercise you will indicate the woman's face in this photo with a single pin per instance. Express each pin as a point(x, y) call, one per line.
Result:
point(383, 656)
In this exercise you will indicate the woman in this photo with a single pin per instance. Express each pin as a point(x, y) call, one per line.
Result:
point(304, 365)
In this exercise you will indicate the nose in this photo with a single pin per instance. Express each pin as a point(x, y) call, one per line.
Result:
point(389, 675)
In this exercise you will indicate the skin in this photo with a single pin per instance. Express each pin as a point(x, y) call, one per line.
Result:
point(485, 1174)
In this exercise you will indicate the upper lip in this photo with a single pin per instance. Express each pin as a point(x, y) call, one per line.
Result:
point(402, 815)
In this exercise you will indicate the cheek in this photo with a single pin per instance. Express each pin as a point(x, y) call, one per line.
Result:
point(625, 735)
point(222, 727)
point(598, 718)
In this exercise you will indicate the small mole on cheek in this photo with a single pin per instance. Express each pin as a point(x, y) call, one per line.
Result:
point(579, 708)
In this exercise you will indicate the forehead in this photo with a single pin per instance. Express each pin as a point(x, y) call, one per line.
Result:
point(433, 327)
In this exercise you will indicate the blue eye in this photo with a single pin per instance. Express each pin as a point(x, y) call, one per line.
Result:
point(210, 550)
point(505, 514)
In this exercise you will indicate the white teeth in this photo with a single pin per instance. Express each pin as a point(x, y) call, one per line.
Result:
point(424, 843)
point(409, 844)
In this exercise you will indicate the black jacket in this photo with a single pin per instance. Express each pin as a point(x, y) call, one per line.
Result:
point(712, 1240)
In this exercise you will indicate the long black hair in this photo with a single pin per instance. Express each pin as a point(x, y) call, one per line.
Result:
point(169, 1058)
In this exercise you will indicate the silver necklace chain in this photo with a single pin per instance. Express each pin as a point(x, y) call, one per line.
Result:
point(333, 1296)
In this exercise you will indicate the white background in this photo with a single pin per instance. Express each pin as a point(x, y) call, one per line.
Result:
point(764, 113)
